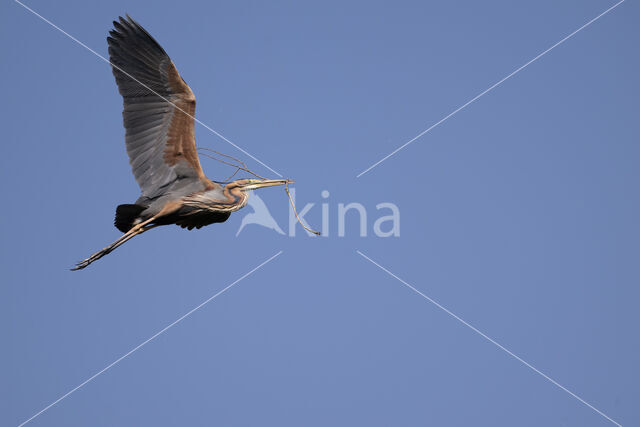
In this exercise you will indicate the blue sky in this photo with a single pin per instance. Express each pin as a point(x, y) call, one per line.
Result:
point(519, 214)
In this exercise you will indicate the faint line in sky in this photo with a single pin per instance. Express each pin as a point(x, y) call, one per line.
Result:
point(143, 85)
point(181, 318)
point(445, 118)
point(491, 340)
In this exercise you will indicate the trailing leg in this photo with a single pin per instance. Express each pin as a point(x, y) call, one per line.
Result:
point(135, 230)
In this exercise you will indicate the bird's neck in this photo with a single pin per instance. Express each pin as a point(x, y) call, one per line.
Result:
point(236, 198)
point(226, 200)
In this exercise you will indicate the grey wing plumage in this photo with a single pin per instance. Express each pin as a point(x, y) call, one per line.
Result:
point(158, 109)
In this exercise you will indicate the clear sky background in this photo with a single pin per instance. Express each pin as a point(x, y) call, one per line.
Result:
point(519, 214)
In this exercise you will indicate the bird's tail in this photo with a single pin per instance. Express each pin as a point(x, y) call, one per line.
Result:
point(126, 215)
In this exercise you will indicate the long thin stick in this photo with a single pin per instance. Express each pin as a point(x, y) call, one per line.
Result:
point(286, 188)
point(235, 166)
point(232, 175)
point(244, 166)
point(225, 155)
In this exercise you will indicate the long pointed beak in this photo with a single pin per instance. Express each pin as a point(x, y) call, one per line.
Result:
point(265, 183)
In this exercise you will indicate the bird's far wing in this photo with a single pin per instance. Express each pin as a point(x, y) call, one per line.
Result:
point(158, 109)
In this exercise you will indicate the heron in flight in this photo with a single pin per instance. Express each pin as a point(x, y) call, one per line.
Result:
point(158, 114)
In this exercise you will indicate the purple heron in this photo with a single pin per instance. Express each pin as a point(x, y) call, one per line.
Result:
point(159, 136)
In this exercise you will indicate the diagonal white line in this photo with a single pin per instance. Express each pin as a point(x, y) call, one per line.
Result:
point(491, 340)
point(181, 318)
point(143, 85)
point(445, 118)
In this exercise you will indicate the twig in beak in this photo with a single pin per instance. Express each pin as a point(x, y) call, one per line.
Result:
point(238, 168)
point(286, 188)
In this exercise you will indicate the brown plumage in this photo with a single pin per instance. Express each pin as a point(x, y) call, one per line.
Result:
point(158, 118)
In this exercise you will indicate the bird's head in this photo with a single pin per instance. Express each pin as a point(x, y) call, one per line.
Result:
point(254, 184)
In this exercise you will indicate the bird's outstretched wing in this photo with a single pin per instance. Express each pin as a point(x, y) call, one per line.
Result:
point(158, 109)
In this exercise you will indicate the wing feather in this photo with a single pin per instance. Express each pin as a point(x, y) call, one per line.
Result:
point(158, 109)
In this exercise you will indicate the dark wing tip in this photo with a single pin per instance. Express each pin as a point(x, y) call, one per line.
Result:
point(128, 27)
point(131, 20)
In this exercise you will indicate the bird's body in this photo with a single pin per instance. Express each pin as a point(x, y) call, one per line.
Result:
point(158, 117)
point(198, 207)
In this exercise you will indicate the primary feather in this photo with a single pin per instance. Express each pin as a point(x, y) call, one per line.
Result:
point(158, 109)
